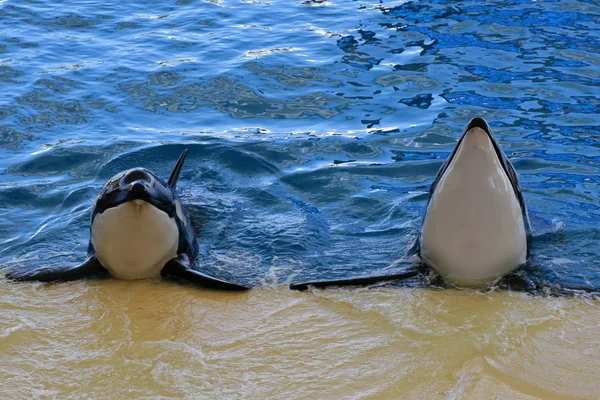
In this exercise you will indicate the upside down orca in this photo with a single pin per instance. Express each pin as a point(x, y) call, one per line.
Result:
point(476, 227)
point(139, 229)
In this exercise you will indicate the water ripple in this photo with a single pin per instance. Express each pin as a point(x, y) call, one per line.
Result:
point(314, 132)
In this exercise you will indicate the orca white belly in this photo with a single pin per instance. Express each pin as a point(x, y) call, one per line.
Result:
point(134, 240)
point(474, 230)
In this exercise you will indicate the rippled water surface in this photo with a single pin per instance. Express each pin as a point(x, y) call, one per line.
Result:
point(314, 130)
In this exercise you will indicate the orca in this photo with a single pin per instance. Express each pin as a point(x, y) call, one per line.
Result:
point(139, 229)
point(476, 226)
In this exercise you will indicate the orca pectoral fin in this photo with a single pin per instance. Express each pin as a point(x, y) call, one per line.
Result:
point(536, 286)
point(89, 267)
point(367, 280)
point(180, 268)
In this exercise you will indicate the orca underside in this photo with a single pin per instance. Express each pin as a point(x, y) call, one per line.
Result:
point(476, 227)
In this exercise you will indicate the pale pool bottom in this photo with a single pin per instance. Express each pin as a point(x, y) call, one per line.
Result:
point(118, 339)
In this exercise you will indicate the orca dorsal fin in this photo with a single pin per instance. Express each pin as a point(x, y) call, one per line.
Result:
point(175, 174)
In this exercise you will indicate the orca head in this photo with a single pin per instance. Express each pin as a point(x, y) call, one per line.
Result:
point(135, 228)
point(138, 224)
point(476, 226)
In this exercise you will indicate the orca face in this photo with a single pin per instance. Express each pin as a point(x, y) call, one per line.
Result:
point(476, 226)
point(136, 184)
point(135, 225)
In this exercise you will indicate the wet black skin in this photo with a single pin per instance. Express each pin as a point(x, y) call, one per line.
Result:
point(138, 184)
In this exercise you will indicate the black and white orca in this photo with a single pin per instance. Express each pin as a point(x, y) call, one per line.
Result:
point(139, 229)
point(476, 227)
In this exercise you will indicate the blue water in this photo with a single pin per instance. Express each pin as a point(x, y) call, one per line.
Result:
point(314, 127)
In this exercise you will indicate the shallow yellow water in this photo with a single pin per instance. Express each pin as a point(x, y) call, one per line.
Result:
point(118, 339)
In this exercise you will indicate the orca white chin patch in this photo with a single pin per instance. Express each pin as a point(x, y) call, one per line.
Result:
point(474, 229)
point(134, 240)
